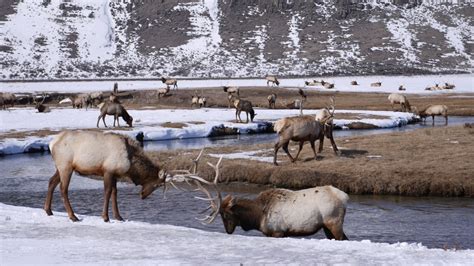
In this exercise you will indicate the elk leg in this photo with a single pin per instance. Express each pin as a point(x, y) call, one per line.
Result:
point(107, 193)
point(328, 233)
point(314, 149)
point(247, 113)
point(299, 150)
point(331, 138)
point(65, 193)
point(103, 120)
point(337, 232)
point(98, 120)
point(446, 119)
point(114, 201)
point(285, 148)
point(433, 119)
point(321, 143)
point(277, 147)
point(53, 183)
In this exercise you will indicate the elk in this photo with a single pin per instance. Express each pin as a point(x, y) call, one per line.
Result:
point(115, 89)
point(271, 100)
point(326, 116)
point(434, 110)
point(194, 100)
point(312, 83)
point(297, 128)
point(108, 155)
point(402, 88)
point(273, 80)
point(40, 106)
point(7, 98)
point(81, 100)
point(354, 83)
point(163, 91)
point(280, 212)
point(376, 84)
point(202, 102)
point(436, 87)
point(170, 82)
point(231, 92)
point(328, 85)
point(396, 98)
point(115, 109)
point(448, 86)
point(303, 99)
point(243, 105)
point(96, 97)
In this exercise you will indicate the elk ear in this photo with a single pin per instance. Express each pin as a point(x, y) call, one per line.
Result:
point(228, 201)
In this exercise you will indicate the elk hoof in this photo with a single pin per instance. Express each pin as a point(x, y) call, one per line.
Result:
point(275, 163)
point(48, 212)
point(74, 218)
point(119, 218)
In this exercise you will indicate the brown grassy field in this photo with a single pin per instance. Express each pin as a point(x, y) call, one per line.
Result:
point(458, 104)
point(425, 162)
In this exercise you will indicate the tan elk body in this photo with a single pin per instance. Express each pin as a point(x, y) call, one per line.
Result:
point(272, 79)
point(108, 155)
point(396, 98)
point(434, 110)
point(170, 82)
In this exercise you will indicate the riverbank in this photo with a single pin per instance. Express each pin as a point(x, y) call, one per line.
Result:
point(425, 162)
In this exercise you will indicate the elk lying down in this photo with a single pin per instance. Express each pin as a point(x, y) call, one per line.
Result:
point(108, 155)
point(282, 212)
point(115, 109)
point(434, 110)
point(376, 84)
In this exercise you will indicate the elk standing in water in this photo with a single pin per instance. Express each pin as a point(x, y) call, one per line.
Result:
point(108, 155)
point(115, 109)
point(434, 110)
point(280, 212)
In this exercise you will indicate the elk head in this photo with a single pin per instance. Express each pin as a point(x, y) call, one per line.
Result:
point(150, 186)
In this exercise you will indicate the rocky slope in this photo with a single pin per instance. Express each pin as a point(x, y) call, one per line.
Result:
point(232, 38)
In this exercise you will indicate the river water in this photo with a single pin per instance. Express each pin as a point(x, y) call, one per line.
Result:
point(434, 222)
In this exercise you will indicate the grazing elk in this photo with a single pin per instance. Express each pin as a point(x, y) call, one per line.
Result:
point(297, 128)
point(202, 102)
point(376, 84)
point(194, 100)
point(243, 105)
point(280, 212)
point(271, 100)
point(273, 80)
point(96, 98)
point(170, 82)
point(163, 91)
point(434, 110)
point(40, 106)
point(396, 98)
point(115, 109)
point(108, 155)
point(326, 116)
point(7, 98)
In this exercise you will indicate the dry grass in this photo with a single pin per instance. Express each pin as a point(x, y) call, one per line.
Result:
point(173, 125)
point(426, 162)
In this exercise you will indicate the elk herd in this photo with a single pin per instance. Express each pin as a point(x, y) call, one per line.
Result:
point(274, 212)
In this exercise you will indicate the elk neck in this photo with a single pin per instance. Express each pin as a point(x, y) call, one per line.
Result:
point(249, 213)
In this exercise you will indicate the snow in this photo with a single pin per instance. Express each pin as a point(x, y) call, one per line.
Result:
point(390, 84)
point(149, 123)
point(29, 236)
point(248, 155)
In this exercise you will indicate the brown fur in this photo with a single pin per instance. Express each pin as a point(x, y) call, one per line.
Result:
point(298, 128)
point(246, 106)
point(117, 110)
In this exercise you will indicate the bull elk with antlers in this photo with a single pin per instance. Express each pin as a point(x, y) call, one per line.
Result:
point(278, 212)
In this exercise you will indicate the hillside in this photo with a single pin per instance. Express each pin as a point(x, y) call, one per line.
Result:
point(230, 38)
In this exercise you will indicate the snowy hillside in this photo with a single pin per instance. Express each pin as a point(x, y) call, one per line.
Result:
point(223, 38)
point(29, 236)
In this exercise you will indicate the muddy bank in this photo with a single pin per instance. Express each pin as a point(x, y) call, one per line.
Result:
point(425, 162)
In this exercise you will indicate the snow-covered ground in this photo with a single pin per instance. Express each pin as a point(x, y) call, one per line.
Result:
point(29, 236)
point(413, 84)
point(197, 123)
